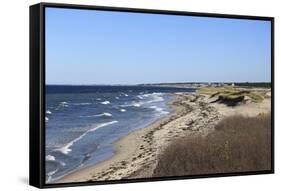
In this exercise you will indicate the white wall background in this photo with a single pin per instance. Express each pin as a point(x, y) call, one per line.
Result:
point(14, 72)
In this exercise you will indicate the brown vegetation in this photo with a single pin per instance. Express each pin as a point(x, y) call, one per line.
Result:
point(237, 144)
point(234, 95)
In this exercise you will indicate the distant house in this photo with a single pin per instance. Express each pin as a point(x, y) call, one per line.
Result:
point(232, 84)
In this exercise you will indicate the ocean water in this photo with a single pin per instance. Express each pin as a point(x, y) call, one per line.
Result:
point(82, 122)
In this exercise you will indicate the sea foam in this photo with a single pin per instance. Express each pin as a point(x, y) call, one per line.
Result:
point(63, 103)
point(103, 114)
point(136, 104)
point(159, 110)
point(50, 158)
point(105, 102)
point(48, 112)
point(126, 95)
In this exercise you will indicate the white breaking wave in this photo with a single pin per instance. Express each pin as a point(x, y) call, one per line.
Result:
point(63, 103)
point(123, 110)
point(156, 97)
point(103, 114)
point(50, 174)
point(159, 110)
point(46, 119)
point(98, 115)
point(156, 108)
point(98, 99)
point(48, 112)
point(105, 102)
point(150, 98)
point(126, 95)
point(136, 104)
point(82, 103)
point(66, 148)
point(146, 100)
point(50, 158)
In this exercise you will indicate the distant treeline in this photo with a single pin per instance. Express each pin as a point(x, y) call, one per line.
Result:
point(254, 84)
point(241, 84)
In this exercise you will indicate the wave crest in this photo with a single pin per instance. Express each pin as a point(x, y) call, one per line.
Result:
point(66, 148)
point(48, 112)
point(50, 158)
point(103, 114)
point(105, 102)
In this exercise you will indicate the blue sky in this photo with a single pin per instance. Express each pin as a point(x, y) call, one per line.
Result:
point(100, 47)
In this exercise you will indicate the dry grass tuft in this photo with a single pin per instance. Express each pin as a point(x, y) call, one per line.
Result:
point(237, 144)
point(233, 93)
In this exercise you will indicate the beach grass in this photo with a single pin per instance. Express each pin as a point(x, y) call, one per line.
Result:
point(231, 93)
point(237, 144)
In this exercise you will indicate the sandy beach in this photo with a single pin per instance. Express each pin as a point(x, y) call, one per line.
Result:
point(136, 154)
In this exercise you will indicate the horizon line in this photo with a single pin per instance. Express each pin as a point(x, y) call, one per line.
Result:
point(192, 82)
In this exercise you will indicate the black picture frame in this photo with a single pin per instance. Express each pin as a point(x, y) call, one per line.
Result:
point(37, 93)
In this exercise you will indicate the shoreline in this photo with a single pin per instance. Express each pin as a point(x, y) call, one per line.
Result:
point(122, 150)
point(136, 154)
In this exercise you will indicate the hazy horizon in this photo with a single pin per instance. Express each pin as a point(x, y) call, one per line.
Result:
point(87, 47)
point(149, 83)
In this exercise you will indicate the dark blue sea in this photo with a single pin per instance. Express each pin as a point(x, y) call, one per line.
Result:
point(82, 122)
